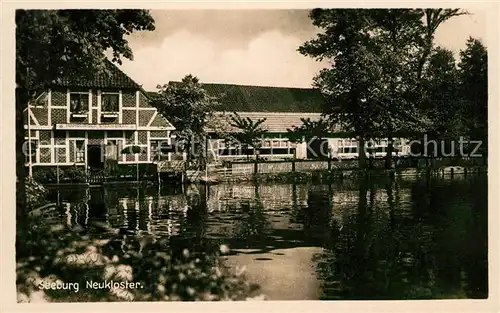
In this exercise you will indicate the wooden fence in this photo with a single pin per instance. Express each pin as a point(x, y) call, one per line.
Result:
point(96, 177)
point(283, 166)
point(268, 167)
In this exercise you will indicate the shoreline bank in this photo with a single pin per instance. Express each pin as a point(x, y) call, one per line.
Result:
point(340, 174)
point(231, 176)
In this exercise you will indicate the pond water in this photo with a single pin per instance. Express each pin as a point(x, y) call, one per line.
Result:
point(374, 239)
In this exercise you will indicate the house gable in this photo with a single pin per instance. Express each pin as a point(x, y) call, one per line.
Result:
point(52, 106)
point(73, 115)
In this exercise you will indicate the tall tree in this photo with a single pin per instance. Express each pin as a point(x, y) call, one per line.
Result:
point(441, 102)
point(57, 44)
point(377, 57)
point(398, 41)
point(346, 41)
point(473, 75)
point(190, 108)
point(248, 133)
point(409, 37)
point(433, 18)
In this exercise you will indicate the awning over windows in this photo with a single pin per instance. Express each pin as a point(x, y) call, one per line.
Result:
point(107, 126)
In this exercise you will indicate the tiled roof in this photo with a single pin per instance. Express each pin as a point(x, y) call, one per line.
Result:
point(113, 78)
point(282, 107)
point(277, 122)
point(242, 98)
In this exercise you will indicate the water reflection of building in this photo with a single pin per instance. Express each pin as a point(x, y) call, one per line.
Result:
point(272, 197)
point(153, 215)
point(124, 209)
point(241, 210)
point(283, 206)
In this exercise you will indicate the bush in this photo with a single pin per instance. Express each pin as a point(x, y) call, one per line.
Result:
point(75, 174)
point(35, 194)
point(46, 175)
point(165, 273)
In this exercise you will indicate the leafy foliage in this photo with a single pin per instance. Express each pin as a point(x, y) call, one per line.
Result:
point(473, 76)
point(454, 98)
point(52, 44)
point(441, 102)
point(49, 175)
point(377, 60)
point(346, 43)
point(165, 273)
point(35, 194)
point(190, 108)
point(309, 129)
point(433, 18)
point(249, 132)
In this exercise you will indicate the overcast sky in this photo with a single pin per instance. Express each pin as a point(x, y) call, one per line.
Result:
point(257, 47)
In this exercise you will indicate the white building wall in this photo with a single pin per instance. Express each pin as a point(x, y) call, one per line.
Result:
point(301, 149)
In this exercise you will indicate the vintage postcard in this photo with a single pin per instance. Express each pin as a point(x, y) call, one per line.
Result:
point(160, 154)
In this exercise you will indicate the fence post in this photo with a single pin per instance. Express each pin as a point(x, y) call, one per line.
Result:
point(329, 164)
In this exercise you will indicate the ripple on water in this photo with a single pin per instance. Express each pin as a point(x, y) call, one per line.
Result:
point(399, 240)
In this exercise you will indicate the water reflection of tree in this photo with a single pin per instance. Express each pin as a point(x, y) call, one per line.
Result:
point(433, 247)
point(193, 222)
point(252, 223)
point(299, 201)
point(317, 216)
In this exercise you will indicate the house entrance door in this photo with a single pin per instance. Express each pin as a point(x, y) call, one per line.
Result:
point(95, 156)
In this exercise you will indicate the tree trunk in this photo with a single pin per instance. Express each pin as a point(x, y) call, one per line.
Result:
point(256, 165)
point(361, 153)
point(22, 98)
point(256, 157)
point(389, 164)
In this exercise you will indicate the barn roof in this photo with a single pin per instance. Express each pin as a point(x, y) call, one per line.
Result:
point(282, 107)
point(241, 98)
point(275, 122)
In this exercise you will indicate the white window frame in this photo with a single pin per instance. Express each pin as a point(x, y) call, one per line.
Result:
point(104, 93)
point(76, 150)
point(154, 148)
point(80, 93)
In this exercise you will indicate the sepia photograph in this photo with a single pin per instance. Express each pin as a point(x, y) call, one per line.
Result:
point(314, 153)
